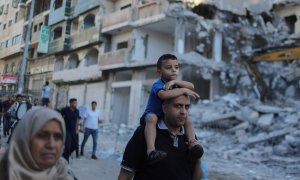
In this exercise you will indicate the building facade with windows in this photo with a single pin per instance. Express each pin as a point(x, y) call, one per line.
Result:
point(11, 37)
point(106, 51)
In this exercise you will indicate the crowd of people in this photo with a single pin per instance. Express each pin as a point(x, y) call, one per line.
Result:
point(164, 146)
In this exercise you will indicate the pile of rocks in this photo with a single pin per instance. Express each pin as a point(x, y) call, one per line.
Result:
point(250, 130)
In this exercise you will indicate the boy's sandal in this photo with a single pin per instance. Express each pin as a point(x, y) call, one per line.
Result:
point(155, 156)
point(196, 152)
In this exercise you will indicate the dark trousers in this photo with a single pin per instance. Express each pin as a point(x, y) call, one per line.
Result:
point(87, 133)
point(71, 144)
point(6, 124)
point(45, 101)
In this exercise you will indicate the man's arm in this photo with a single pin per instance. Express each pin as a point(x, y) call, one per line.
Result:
point(168, 94)
point(198, 173)
point(180, 83)
point(125, 175)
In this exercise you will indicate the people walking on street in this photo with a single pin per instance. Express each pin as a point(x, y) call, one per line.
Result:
point(46, 90)
point(71, 117)
point(35, 149)
point(6, 116)
point(90, 124)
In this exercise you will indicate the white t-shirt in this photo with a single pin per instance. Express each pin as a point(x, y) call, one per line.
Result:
point(91, 117)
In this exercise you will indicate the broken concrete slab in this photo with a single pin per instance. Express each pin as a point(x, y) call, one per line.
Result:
point(217, 118)
point(267, 109)
point(292, 119)
point(265, 137)
point(265, 120)
point(286, 160)
point(247, 114)
point(241, 126)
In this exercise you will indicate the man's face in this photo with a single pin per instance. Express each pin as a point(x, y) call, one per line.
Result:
point(73, 104)
point(94, 105)
point(169, 69)
point(19, 98)
point(176, 111)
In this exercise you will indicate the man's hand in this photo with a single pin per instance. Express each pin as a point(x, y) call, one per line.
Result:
point(82, 129)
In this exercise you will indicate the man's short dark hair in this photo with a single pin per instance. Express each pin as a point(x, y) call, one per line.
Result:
point(164, 57)
point(72, 100)
point(19, 95)
point(47, 83)
point(94, 102)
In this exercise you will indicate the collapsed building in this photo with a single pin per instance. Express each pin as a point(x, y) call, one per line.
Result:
point(261, 132)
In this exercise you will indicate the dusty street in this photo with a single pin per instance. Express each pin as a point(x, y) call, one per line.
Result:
point(113, 139)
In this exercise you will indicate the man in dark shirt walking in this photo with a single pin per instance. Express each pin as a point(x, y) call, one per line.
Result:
point(71, 117)
point(171, 139)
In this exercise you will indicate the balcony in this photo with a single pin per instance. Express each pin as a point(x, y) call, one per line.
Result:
point(88, 36)
point(11, 50)
point(38, 19)
point(119, 20)
point(35, 37)
point(85, 5)
point(79, 74)
point(149, 12)
point(114, 59)
point(58, 45)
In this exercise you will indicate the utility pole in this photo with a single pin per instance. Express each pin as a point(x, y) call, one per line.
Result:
point(23, 65)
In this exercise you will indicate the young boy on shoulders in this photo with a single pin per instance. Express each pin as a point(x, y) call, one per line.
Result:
point(165, 88)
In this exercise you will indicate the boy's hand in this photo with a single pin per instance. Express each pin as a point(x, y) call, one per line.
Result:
point(169, 85)
point(191, 93)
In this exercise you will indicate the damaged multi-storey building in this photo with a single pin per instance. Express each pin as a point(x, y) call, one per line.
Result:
point(107, 50)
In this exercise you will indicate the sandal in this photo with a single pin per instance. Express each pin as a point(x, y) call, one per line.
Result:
point(155, 156)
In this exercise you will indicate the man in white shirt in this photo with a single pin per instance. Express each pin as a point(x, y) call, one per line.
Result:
point(90, 124)
point(46, 90)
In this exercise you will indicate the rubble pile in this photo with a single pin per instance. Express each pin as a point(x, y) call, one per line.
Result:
point(255, 131)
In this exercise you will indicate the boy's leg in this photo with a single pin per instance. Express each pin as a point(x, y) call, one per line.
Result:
point(150, 136)
point(150, 132)
point(196, 150)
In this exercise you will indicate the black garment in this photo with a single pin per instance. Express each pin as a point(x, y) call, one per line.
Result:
point(71, 144)
point(70, 116)
point(6, 117)
point(175, 166)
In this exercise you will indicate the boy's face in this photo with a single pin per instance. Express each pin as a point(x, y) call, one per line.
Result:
point(169, 69)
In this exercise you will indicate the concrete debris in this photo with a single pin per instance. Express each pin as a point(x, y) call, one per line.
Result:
point(267, 109)
point(265, 120)
point(216, 118)
point(259, 130)
point(254, 6)
point(265, 137)
point(206, 66)
point(241, 126)
point(258, 30)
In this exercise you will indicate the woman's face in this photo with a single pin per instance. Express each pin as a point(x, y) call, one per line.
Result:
point(47, 144)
